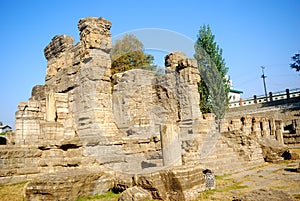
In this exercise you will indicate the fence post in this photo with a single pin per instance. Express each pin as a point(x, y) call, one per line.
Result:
point(271, 96)
point(287, 94)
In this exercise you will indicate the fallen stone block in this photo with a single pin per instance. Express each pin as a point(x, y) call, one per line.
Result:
point(68, 185)
point(135, 194)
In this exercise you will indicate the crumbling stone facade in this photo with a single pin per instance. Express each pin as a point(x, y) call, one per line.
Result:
point(286, 110)
point(139, 121)
point(148, 127)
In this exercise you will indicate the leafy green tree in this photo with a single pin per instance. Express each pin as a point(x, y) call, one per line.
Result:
point(214, 86)
point(296, 64)
point(127, 53)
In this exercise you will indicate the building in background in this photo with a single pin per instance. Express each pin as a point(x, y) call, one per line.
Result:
point(234, 95)
point(4, 128)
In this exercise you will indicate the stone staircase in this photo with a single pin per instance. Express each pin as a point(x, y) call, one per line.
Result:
point(225, 159)
point(223, 154)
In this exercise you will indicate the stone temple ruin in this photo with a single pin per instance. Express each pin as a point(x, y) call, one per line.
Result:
point(85, 131)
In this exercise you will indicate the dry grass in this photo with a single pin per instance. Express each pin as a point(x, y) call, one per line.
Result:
point(297, 151)
point(12, 192)
point(109, 196)
point(223, 188)
point(297, 196)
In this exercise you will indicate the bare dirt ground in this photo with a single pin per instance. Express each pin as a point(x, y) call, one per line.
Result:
point(270, 182)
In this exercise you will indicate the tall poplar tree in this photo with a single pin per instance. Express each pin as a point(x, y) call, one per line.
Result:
point(214, 86)
point(296, 64)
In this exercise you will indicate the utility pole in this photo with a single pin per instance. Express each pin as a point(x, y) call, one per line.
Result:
point(263, 77)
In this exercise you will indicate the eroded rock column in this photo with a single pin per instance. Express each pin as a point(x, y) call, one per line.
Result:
point(279, 131)
point(178, 94)
point(93, 96)
point(171, 145)
point(50, 107)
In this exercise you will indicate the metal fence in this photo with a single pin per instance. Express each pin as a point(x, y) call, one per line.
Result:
point(280, 95)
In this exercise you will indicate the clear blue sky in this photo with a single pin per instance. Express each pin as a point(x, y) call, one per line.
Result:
point(251, 33)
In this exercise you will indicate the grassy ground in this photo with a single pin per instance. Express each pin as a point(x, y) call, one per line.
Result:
point(295, 151)
point(278, 176)
point(224, 184)
point(109, 196)
point(12, 192)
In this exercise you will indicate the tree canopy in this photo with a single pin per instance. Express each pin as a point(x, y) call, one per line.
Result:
point(296, 60)
point(127, 53)
point(214, 86)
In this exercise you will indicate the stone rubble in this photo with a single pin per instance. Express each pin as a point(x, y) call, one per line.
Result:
point(135, 194)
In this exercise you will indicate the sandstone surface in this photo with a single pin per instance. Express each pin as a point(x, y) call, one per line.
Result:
point(141, 129)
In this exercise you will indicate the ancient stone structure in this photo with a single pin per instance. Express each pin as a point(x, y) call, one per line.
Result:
point(176, 183)
point(78, 106)
point(97, 131)
point(286, 111)
point(263, 136)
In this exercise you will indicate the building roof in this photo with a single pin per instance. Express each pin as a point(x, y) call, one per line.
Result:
point(5, 126)
point(236, 91)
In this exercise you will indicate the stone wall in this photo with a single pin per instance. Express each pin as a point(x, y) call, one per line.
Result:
point(25, 162)
point(255, 137)
point(178, 183)
point(137, 122)
point(291, 139)
point(255, 125)
point(83, 118)
point(285, 110)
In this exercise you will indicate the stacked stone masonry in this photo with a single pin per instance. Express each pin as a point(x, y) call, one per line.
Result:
point(84, 118)
point(285, 110)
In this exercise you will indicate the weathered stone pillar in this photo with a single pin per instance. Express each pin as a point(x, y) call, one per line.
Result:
point(171, 146)
point(265, 129)
point(272, 127)
point(27, 125)
point(187, 68)
point(279, 131)
point(256, 130)
point(235, 125)
point(50, 107)
point(297, 126)
point(93, 97)
point(246, 125)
